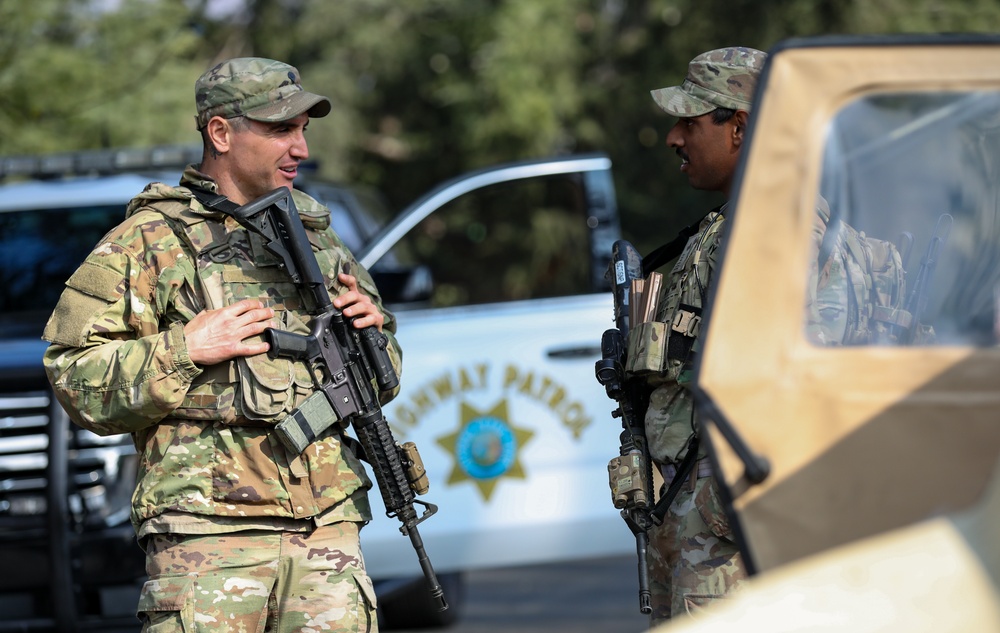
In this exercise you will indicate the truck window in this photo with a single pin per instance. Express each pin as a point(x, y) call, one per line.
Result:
point(921, 171)
point(524, 239)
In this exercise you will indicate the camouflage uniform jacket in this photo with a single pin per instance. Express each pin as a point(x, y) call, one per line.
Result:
point(118, 364)
point(670, 422)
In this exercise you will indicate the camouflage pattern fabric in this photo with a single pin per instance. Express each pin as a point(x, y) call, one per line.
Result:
point(118, 364)
point(875, 273)
point(692, 558)
point(857, 297)
point(827, 302)
point(671, 423)
point(723, 78)
point(668, 420)
point(259, 89)
point(275, 582)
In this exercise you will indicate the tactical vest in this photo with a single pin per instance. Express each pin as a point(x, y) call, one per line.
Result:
point(666, 345)
point(233, 265)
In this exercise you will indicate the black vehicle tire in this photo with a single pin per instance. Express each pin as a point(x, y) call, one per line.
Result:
point(411, 606)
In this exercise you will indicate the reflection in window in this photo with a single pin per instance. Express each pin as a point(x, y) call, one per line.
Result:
point(525, 239)
point(910, 188)
point(40, 249)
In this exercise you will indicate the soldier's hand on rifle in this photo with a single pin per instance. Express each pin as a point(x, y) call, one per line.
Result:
point(214, 336)
point(357, 305)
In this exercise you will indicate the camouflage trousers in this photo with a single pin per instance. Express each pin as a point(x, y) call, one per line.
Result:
point(692, 557)
point(258, 581)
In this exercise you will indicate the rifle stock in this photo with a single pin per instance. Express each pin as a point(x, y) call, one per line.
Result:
point(347, 364)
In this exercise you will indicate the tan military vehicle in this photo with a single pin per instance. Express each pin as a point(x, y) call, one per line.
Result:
point(864, 478)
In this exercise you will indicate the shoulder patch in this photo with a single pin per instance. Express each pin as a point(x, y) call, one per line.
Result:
point(89, 291)
point(97, 281)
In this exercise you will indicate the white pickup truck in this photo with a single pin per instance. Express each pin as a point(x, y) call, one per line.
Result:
point(497, 280)
point(498, 387)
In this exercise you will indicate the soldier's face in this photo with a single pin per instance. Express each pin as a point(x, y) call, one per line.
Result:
point(268, 155)
point(708, 151)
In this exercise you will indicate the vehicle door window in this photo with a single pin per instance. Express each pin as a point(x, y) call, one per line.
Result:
point(524, 239)
point(919, 171)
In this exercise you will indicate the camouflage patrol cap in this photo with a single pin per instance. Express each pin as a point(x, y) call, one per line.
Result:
point(723, 78)
point(260, 89)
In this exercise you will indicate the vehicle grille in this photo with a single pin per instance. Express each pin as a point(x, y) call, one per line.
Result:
point(100, 470)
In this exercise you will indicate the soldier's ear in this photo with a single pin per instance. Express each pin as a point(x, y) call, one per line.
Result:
point(219, 133)
point(739, 126)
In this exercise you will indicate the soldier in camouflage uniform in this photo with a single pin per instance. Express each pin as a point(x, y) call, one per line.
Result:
point(856, 288)
point(159, 334)
point(692, 556)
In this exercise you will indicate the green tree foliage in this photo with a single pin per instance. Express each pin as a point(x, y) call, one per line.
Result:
point(74, 75)
point(423, 89)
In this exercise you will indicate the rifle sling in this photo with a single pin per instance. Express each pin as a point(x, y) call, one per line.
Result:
point(671, 250)
point(683, 471)
point(215, 201)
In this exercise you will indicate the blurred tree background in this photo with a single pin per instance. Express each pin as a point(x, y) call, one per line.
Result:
point(423, 89)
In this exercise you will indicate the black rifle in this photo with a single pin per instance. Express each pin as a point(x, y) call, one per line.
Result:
point(346, 364)
point(630, 474)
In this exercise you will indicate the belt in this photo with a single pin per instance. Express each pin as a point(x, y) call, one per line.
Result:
point(702, 468)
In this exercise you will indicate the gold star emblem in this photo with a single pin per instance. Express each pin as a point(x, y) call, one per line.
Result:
point(485, 448)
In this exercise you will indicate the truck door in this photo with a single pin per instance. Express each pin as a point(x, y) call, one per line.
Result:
point(820, 442)
point(498, 388)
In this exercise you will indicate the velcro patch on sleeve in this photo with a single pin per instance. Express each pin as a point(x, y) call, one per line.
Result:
point(71, 319)
point(88, 294)
point(97, 281)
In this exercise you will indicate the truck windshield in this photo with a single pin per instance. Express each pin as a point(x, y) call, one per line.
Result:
point(39, 250)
